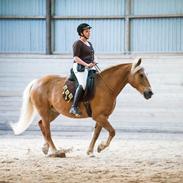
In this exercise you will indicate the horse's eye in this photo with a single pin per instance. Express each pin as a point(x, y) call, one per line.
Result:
point(141, 75)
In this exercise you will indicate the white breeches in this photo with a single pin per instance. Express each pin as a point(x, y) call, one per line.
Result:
point(81, 76)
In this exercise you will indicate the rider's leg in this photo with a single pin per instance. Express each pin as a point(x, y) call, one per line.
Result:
point(74, 109)
point(82, 78)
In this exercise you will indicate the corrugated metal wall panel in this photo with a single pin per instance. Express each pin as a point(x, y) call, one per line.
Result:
point(107, 35)
point(22, 36)
point(22, 7)
point(153, 7)
point(89, 8)
point(157, 35)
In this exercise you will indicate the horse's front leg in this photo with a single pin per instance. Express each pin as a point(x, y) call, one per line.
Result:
point(103, 121)
point(96, 133)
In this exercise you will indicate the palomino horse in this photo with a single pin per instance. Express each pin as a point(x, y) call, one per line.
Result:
point(45, 97)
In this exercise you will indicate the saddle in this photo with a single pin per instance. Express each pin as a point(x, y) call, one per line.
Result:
point(71, 84)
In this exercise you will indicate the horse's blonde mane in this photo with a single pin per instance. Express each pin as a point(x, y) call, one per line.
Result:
point(113, 68)
point(134, 68)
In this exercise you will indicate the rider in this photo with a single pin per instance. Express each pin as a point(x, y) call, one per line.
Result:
point(83, 54)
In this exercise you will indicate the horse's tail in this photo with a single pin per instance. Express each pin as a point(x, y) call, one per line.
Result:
point(28, 112)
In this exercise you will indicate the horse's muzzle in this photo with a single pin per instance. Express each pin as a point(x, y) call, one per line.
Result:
point(148, 94)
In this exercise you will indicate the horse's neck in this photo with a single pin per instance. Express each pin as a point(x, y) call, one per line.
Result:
point(117, 77)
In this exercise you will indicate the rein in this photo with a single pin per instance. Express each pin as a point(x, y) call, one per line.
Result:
point(99, 70)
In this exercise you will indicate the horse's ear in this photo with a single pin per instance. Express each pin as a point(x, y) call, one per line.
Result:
point(139, 60)
point(136, 65)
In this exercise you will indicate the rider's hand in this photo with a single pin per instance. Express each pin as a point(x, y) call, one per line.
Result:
point(94, 63)
point(90, 65)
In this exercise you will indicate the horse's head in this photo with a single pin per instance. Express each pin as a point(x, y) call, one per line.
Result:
point(138, 79)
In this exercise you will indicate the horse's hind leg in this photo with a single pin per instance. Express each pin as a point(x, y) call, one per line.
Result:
point(48, 139)
point(45, 129)
point(45, 147)
point(96, 133)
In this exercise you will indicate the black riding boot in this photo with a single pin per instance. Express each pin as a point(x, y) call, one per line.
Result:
point(74, 109)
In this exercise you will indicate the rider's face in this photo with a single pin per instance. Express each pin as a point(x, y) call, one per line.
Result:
point(86, 33)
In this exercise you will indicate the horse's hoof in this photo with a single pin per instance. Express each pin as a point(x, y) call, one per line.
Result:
point(58, 154)
point(99, 149)
point(45, 149)
point(90, 154)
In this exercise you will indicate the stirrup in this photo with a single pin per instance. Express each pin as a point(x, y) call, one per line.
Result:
point(75, 111)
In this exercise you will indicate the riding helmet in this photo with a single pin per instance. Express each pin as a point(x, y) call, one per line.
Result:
point(82, 27)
